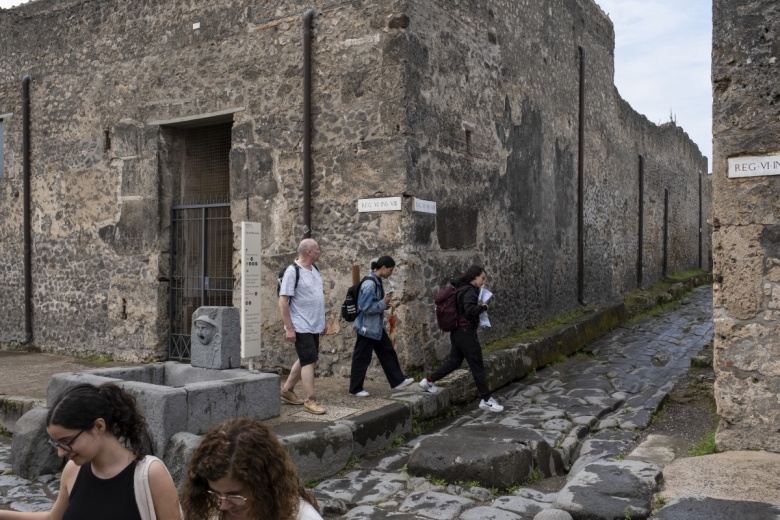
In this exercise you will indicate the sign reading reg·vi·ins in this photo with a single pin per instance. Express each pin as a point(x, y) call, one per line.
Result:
point(754, 166)
point(382, 204)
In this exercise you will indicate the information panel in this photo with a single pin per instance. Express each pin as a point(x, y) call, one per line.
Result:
point(251, 322)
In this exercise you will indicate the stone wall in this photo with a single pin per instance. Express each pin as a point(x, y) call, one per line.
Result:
point(746, 216)
point(472, 104)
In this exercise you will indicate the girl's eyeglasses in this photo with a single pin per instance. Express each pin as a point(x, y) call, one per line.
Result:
point(236, 500)
point(66, 446)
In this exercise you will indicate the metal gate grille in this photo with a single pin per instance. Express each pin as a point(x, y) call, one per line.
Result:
point(201, 268)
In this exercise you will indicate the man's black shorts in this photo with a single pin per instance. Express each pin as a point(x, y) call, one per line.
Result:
point(307, 346)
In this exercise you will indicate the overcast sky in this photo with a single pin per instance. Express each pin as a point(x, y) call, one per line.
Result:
point(662, 61)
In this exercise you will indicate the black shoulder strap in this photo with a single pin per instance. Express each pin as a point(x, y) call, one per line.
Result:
point(297, 274)
point(459, 292)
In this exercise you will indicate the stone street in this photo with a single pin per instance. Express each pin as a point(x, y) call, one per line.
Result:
point(580, 417)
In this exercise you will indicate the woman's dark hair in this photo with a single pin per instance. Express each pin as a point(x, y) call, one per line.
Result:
point(247, 451)
point(79, 408)
point(471, 273)
point(384, 261)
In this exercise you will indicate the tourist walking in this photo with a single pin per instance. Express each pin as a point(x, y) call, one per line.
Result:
point(302, 303)
point(371, 334)
point(108, 473)
point(464, 341)
point(240, 471)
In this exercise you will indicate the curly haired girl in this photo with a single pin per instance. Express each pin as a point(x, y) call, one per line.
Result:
point(240, 470)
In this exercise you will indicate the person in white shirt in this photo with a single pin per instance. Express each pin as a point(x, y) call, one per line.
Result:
point(302, 304)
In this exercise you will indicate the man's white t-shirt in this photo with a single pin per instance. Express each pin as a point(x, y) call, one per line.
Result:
point(307, 302)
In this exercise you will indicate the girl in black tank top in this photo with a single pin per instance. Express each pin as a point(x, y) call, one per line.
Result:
point(86, 423)
point(92, 497)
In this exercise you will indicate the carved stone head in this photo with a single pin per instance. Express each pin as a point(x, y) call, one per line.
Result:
point(205, 327)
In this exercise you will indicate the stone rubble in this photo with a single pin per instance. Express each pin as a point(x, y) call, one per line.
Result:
point(582, 415)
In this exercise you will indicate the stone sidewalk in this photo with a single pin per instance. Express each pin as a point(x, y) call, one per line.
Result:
point(580, 417)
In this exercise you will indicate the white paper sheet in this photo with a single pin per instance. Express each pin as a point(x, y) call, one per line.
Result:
point(484, 296)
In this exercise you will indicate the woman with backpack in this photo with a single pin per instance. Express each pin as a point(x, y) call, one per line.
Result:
point(464, 340)
point(371, 334)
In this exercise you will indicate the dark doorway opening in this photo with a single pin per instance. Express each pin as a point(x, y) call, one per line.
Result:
point(201, 240)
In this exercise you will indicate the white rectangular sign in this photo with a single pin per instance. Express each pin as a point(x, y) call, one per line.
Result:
point(383, 204)
point(756, 166)
point(251, 321)
point(423, 206)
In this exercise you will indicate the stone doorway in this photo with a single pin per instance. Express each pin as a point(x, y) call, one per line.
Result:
point(201, 240)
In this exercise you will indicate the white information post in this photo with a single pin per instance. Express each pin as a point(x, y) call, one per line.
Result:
point(757, 166)
point(251, 322)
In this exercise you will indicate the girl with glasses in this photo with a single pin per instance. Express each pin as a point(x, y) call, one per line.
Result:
point(102, 434)
point(240, 470)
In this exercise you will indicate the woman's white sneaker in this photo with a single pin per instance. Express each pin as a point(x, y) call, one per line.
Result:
point(406, 382)
point(362, 393)
point(429, 386)
point(491, 405)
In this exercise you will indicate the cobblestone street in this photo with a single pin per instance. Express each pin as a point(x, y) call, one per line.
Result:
point(590, 407)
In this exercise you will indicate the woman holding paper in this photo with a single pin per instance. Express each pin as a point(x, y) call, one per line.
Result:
point(464, 340)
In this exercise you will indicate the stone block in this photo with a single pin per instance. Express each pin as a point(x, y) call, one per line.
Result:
point(60, 383)
point(626, 489)
point(257, 395)
point(426, 405)
point(164, 408)
point(318, 449)
point(468, 456)
point(180, 374)
point(125, 140)
point(13, 408)
point(31, 455)
point(686, 506)
point(208, 404)
point(178, 454)
point(376, 429)
point(216, 338)
point(154, 373)
point(593, 450)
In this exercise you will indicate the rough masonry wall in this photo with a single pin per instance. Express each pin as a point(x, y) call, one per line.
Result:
point(121, 72)
point(472, 104)
point(746, 215)
point(492, 112)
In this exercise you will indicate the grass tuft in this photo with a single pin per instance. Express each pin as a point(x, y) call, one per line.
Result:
point(705, 446)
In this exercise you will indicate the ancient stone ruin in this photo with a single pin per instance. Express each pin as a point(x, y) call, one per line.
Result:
point(174, 397)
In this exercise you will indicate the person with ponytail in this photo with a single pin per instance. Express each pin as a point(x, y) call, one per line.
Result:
point(240, 471)
point(464, 343)
point(104, 437)
point(371, 334)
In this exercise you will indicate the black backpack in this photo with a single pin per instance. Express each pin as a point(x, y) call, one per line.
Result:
point(350, 309)
point(280, 276)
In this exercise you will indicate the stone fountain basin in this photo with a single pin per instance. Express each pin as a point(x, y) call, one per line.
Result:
point(176, 397)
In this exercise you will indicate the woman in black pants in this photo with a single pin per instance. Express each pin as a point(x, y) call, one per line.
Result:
point(464, 340)
point(371, 333)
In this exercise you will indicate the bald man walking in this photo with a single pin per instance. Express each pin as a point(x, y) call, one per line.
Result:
point(303, 311)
